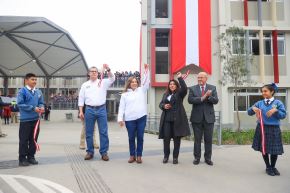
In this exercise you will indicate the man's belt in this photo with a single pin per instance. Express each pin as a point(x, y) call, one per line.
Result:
point(95, 107)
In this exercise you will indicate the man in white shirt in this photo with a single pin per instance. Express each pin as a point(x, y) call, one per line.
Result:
point(93, 94)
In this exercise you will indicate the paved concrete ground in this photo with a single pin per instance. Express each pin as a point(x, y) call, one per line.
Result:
point(237, 169)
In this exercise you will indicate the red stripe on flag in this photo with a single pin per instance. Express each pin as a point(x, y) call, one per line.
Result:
point(178, 35)
point(204, 25)
point(275, 56)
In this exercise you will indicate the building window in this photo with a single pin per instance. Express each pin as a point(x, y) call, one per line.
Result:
point(162, 37)
point(238, 45)
point(281, 47)
point(161, 8)
point(248, 97)
point(242, 103)
point(253, 99)
point(267, 46)
point(255, 47)
point(161, 49)
point(161, 62)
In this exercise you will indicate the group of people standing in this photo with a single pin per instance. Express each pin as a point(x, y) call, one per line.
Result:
point(174, 123)
point(9, 113)
point(133, 115)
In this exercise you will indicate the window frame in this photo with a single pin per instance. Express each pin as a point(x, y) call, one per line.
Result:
point(283, 92)
point(254, 36)
point(155, 20)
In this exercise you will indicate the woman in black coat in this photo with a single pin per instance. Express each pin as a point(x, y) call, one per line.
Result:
point(173, 122)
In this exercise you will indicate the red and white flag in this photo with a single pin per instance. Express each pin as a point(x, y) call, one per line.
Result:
point(191, 34)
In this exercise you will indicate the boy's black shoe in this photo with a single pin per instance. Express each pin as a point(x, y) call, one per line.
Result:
point(32, 161)
point(276, 172)
point(270, 172)
point(24, 163)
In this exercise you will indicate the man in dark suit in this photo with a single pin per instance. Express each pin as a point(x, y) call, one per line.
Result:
point(202, 97)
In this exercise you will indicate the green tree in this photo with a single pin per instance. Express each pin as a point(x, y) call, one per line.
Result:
point(235, 58)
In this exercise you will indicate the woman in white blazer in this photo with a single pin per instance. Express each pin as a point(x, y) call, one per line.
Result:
point(133, 113)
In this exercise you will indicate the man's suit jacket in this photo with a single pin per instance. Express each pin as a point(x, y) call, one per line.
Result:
point(202, 110)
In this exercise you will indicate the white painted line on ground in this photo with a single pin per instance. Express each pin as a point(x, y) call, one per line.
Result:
point(42, 187)
point(14, 184)
point(41, 184)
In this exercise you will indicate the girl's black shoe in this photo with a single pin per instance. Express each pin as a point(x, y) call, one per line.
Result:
point(276, 172)
point(270, 172)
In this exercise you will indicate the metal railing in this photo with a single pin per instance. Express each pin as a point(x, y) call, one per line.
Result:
point(64, 105)
point(120, 82)
point(153, 121)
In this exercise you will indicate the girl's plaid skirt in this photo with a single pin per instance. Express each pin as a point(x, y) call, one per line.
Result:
point(273, 140)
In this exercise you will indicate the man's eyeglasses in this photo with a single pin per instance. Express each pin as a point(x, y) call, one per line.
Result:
point(92, 71)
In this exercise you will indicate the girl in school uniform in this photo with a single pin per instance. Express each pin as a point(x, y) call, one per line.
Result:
point(267, 139)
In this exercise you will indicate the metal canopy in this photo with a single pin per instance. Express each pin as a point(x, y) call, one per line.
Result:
point(37, 45)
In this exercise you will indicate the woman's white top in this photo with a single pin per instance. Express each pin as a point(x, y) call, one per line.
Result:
point(133, 103)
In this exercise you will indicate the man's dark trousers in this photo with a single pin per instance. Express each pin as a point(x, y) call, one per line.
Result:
point(205, 130)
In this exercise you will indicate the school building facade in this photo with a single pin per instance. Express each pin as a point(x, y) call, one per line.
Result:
point(267, 23)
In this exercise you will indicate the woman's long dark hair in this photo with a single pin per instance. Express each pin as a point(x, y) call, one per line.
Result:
point(168, 91)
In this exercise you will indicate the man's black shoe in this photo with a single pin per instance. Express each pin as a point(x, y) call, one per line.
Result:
point(165, 160)
point(196, 161)
point(175, 161)
point(209, 162)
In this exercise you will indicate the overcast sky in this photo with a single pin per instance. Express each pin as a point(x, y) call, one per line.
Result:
point(107, 31)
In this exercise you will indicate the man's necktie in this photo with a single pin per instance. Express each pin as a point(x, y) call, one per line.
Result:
point(202, 91)
point(268, 102)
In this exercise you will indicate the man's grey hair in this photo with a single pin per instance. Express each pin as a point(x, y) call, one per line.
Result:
point(204, 74)
point(92, 68)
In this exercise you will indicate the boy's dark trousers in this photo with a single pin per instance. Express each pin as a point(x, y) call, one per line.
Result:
point(27, 146)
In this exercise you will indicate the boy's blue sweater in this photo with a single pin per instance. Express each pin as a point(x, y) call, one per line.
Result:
point(27, 101)
point(275, 118)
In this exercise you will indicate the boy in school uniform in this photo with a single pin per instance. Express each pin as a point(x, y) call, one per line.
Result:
point(31, 105)
point(267, 139)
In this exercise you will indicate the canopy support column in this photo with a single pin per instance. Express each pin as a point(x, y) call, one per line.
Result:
point(5, 84)
point(47, 91)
